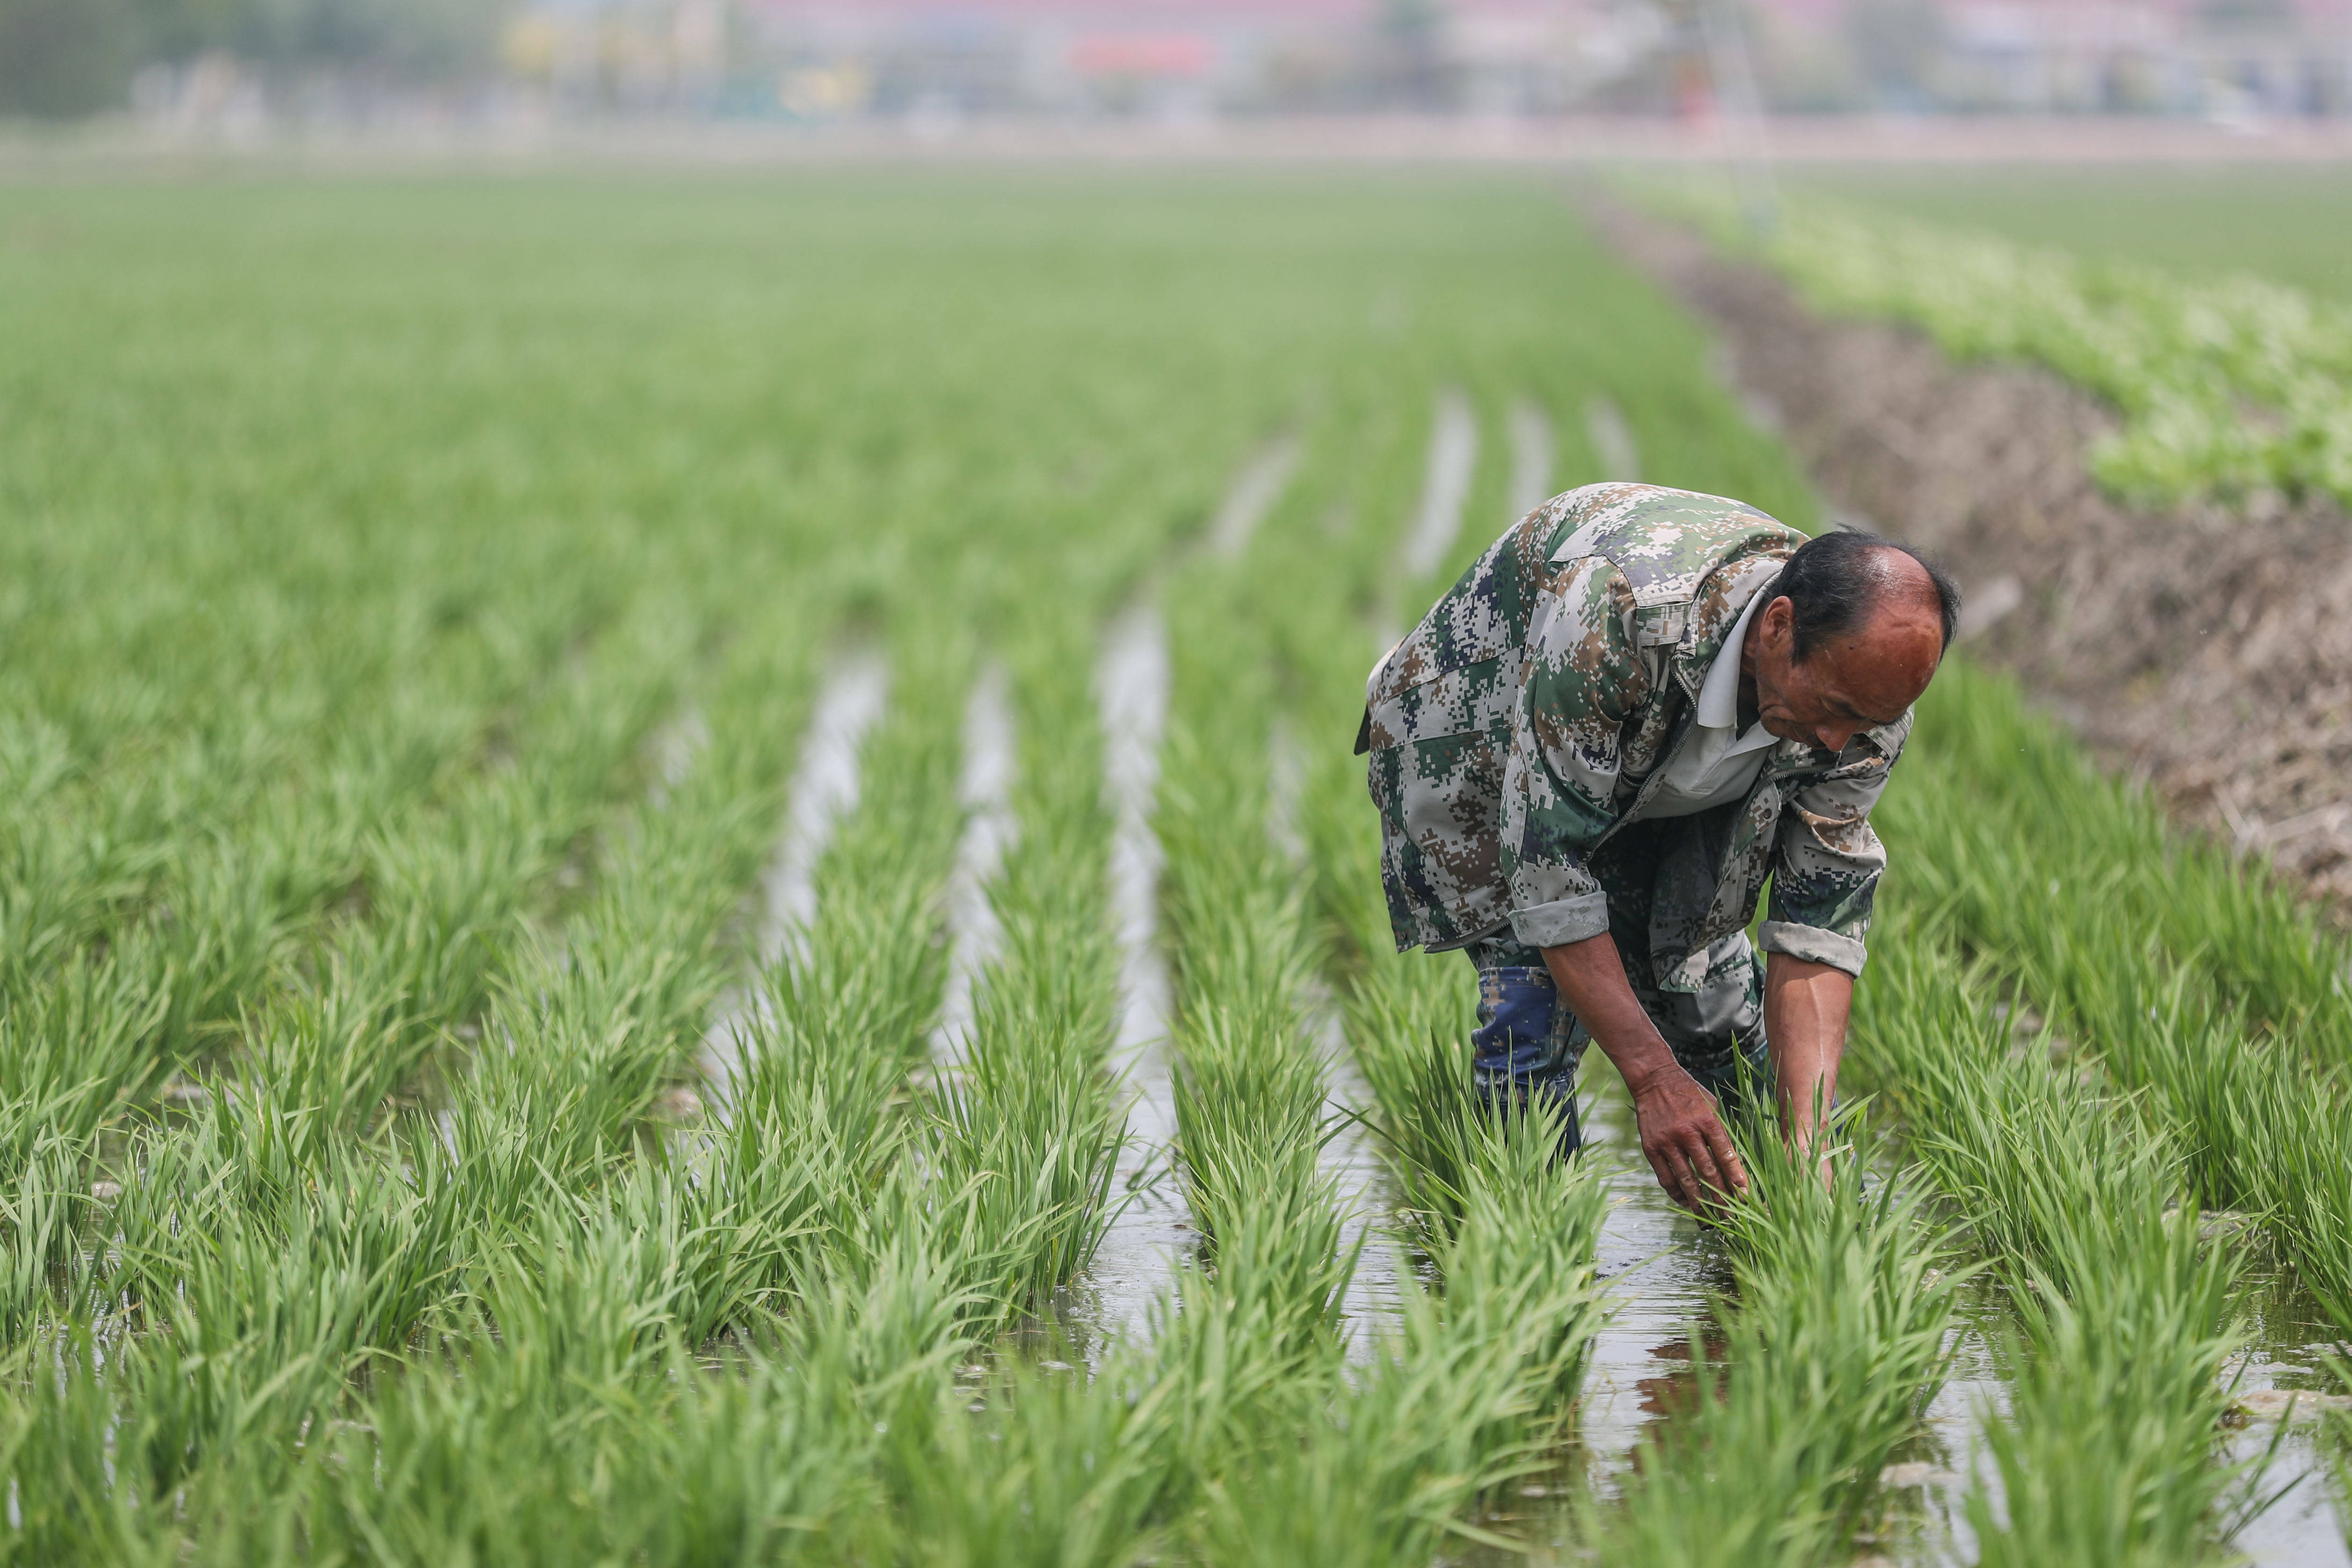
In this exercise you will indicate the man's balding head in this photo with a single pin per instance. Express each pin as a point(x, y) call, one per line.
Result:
point(1851, 637)
point(1839, 581)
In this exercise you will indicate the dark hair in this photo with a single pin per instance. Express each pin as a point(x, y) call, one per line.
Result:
point(1833, 587)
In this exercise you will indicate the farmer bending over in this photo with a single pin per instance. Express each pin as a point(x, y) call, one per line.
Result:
point(1590, 756)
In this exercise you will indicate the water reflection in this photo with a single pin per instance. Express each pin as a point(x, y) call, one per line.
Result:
point(1663, 1266)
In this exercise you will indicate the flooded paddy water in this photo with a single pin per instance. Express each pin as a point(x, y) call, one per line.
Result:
point(1664, 1270)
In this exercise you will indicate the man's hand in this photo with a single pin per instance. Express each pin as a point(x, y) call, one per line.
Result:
point(1684, 1139)
point(1681, 1132)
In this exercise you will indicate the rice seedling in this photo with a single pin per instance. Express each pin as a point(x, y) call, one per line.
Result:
point(1249, 1090)
point(2105, 847)
point(1836, 1338)
point(2176, 972)
point(2123, 1308)
point(845, 1012)
point(1467, 1400)
point(1029, 1104)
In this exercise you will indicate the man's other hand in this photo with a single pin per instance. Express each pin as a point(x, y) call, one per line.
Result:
point(1684, 1138)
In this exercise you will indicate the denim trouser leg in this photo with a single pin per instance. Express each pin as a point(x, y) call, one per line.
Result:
point(1528, 1043)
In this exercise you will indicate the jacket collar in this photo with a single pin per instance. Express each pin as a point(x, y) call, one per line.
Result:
point(1723, 597)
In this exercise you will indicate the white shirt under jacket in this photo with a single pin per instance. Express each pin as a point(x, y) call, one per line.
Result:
point(1716, 763)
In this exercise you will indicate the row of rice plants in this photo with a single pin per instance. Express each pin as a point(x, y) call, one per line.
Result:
point(116, 978)
point(2122, 1309)
point(2179, 972)
point(1249, 1090)
point(449, 892)
point(253, 1264)
point(1827, 1353)
point(1028, 1095)
point(1508, 1229)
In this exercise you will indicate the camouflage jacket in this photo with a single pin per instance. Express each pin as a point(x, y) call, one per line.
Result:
point(1514, 729)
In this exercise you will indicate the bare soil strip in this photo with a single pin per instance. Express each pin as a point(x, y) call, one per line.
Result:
point(990, 760)
point(824, 789)
point(1131, 1269)
point(1532, 456)
point(1453, 460)
point(1612, 440)
point(1254, 492)
point(2206, 650)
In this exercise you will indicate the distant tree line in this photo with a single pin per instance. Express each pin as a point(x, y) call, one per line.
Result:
point(64, 58)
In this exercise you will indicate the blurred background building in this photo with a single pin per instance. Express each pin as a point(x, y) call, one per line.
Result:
point(939, 64)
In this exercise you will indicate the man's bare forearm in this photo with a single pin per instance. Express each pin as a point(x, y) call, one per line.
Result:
point(1592, 981)
point(1805, 1009)
point(1682, 1136)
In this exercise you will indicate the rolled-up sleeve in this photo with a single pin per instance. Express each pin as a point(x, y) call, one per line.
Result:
point(1582, 677)
point(1828, 860)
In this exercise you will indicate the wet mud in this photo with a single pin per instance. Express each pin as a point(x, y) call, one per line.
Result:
point(1150, 1236)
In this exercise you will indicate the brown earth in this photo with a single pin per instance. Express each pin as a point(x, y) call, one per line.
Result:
point(2206, 650)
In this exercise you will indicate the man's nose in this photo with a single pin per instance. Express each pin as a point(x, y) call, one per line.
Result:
point(1833, 739)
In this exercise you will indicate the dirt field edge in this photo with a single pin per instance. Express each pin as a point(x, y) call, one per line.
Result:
point(2206, 651)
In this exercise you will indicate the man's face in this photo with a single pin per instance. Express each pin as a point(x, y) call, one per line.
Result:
point(1847, 684)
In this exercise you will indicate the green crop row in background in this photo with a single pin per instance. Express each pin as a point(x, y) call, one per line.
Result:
point(2229, 387)
point(425, 584)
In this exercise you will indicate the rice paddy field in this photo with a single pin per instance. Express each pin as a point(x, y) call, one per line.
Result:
point(2290, 225)
point(680, 884)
